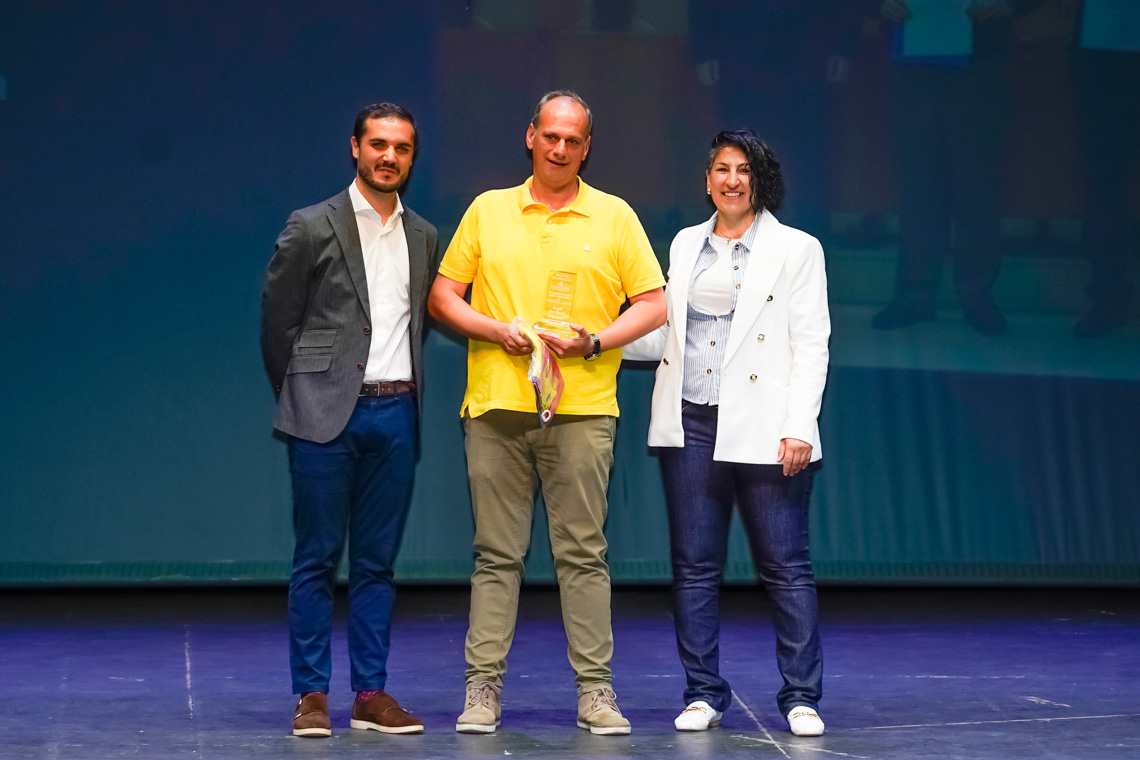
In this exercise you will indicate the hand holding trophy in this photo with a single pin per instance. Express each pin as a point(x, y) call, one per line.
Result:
point(543, 372)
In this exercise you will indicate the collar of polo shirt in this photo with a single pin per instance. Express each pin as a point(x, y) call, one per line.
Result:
point(581, 205)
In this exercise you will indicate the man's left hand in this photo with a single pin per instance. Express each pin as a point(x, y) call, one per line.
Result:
point(565, 349)
point(795, 454)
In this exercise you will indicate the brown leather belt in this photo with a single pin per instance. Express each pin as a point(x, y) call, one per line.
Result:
point(386, 388)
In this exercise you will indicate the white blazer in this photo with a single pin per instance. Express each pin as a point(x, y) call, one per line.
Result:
point(775, 363)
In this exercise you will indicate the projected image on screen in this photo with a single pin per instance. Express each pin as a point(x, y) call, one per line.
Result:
point(974, 182)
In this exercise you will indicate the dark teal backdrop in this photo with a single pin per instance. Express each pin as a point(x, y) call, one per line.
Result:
point(150, 153)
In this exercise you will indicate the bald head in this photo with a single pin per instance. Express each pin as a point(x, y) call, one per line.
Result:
point(555, 95)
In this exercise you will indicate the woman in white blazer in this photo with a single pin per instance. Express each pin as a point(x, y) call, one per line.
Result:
point(746, 334)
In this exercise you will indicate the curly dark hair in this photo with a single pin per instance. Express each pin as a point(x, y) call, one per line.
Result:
point(766, 180)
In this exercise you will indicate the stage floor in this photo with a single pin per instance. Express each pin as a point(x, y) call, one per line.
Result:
point(909, 673)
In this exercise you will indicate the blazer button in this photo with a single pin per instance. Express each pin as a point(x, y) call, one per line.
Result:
point(360, 367)
point(769, 298)
point(752, 378)
point(367, 330)
point(760, 337)
point(665, 361)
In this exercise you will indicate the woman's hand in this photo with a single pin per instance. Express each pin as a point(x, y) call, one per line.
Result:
point(795, 454)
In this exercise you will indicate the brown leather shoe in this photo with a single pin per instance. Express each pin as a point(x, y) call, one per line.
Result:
point(312, 716)
point(382, 713)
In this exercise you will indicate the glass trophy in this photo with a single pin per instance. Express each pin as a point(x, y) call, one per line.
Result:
point(555, 321)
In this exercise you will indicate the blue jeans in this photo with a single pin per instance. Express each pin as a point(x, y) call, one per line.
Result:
point(357, 485)
point(699, 494)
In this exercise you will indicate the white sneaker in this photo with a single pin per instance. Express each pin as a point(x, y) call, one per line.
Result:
point(805, 721)
point(697, 717)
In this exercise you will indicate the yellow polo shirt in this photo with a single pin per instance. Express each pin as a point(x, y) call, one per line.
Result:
point(507, 245)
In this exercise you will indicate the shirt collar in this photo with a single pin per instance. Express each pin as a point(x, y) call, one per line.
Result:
point(360, 203)
point(748, 238)
point(582, 203)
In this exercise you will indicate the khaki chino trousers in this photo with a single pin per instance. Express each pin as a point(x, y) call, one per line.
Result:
point(571, 459)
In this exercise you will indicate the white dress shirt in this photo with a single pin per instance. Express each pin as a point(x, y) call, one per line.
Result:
point(385, 248)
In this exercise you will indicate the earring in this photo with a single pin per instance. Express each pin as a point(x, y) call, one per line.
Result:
point(708, 191)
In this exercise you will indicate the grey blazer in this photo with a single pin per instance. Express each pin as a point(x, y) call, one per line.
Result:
point(315, 321)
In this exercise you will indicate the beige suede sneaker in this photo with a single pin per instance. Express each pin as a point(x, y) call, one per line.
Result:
point(598, 711)
point(481, 711)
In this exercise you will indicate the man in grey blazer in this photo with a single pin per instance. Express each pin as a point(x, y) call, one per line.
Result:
point(342, 333)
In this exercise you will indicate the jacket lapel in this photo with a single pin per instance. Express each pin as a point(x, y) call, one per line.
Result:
point(417, 278)
point(678, 290)
point(417, 257)
point(343, 222)
point(765, 263)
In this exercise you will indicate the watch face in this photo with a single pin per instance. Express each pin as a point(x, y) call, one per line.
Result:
point(597, 350)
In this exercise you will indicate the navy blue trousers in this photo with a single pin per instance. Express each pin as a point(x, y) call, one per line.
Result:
point(357, 487)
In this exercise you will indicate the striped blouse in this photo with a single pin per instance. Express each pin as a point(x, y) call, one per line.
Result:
point(707, 334)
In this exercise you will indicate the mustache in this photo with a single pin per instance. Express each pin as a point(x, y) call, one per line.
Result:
point(386, 165)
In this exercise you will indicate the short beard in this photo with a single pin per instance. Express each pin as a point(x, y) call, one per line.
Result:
point(380, 187)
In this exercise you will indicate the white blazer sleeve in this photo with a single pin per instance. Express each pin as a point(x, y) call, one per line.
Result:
point(809, 329)
point(647, 348)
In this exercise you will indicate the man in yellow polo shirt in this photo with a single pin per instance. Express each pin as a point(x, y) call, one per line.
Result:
point(507, 247)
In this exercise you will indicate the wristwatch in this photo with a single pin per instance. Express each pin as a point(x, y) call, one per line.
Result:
point(597, 348)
